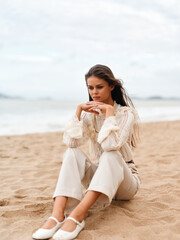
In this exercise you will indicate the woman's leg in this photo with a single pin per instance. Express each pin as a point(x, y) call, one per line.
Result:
point(58, 212)
point(76, 169)
point(113, 179)
point(110, 174)
point(80, 212)
point(129, 186)
point(103, 185)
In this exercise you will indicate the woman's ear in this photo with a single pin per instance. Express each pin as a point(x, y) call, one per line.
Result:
point(112, 87)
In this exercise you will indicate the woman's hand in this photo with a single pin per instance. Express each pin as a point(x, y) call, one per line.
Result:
point(103, 107)
point(92, 106)
point(85, 107)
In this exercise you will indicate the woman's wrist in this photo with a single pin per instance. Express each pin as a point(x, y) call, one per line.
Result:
point(109, 111)
point(78, 112)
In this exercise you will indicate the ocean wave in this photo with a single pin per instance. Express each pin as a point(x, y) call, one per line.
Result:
point(23, 117)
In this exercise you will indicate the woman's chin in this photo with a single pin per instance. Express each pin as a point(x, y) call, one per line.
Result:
point(97, 100)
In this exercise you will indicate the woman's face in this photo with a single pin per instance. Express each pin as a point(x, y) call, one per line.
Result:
point(99, 89)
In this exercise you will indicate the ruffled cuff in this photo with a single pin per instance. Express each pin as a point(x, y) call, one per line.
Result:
point(74, 128)
point(109, 126)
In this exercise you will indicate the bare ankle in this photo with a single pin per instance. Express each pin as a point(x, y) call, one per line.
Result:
point(59, 216)
point(78, 214)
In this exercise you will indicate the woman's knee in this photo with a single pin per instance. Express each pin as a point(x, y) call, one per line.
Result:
point(69, 154)
point(108, 156)
point(73, 154)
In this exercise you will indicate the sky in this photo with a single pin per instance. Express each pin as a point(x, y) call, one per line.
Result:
point(46, 47)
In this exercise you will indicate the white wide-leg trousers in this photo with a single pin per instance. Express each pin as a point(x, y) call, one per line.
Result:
point(112, 177)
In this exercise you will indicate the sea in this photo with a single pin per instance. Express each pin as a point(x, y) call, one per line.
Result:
point(19, 116)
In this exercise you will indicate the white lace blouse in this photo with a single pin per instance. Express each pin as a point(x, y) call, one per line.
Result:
point(105, 134)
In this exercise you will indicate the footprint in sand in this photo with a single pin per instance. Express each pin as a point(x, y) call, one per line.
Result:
point(4, 202)
point(22, 193)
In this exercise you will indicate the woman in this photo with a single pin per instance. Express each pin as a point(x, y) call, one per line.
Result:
point(109, 121)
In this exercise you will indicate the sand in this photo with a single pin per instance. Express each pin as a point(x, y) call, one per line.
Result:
point(29, 167)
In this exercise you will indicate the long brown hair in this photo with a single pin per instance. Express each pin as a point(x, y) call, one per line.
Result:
point(119, 94)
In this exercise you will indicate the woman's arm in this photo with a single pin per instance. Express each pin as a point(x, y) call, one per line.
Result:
point(116, 130)
point(78, 112)
point(76, 130)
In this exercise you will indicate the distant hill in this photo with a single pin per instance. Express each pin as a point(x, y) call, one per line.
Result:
point(46, 98)
point(154, 98)
point(5, 96)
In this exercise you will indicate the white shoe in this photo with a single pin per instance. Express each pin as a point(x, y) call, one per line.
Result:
point(64, 235)
point(42, 233)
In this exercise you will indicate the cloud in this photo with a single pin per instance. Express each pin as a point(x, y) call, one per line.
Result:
point(51, 41)
point(27, 59)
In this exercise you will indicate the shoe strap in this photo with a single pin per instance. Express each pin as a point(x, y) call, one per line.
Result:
point(74, 220)
point(54, 219)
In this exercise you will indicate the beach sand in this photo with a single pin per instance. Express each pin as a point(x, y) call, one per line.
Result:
point(29, 167)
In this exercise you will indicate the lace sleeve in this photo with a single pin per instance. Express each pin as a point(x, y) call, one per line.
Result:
point(117, 129)
point(75, 133)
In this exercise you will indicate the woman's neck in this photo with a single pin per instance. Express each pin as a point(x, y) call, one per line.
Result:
point(110, 102)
